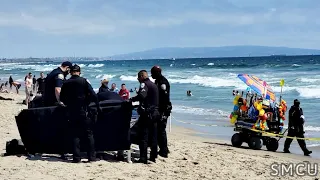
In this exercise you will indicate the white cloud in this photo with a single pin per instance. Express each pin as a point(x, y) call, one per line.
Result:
point(114, 21)
point(58, 24)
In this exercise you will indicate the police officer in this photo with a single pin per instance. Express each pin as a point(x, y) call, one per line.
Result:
point(54, 81)
point(76, 94)
point(295, 128)
point(165, 108)
point(148, 97)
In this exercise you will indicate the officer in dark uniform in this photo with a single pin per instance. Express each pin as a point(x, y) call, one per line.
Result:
point(295, 128)
point(54, 81)
point(148, 97)
point(76, 95)
point(165, 108)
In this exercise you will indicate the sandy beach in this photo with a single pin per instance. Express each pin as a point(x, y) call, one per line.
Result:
point(191, 157)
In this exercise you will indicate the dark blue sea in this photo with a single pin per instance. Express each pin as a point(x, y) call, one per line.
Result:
point(211, 81)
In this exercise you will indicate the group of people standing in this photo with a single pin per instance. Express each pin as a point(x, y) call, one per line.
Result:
point(76, 93)
point(124, 93)
point(154, 109)
point(33, 85)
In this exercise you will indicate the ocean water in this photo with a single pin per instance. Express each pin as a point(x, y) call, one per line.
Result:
point(211, 82)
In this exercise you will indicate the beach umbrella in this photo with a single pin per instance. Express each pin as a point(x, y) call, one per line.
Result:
point(258, 85)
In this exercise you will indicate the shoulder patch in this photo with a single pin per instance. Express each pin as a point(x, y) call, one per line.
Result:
point(163, 87)
point(88, 81)
point(61, 76)
point(142, 85)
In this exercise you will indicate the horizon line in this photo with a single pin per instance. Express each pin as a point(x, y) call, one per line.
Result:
point(102, 58)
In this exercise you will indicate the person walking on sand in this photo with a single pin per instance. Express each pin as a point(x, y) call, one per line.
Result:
point(295, 128)
point(10, 82)
point(28, 87)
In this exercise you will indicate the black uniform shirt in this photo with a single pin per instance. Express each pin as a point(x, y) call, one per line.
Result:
point(41, 84)
point(164, 93)
point(53, 80)
point(295, 114)
point(77, 92)
point(148, 94)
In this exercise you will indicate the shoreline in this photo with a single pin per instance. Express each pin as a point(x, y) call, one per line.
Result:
point(191, 157)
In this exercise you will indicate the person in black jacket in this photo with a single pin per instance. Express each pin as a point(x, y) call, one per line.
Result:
point(41, 84)
point(104, 86)
point(165, 108)
point(76, 94)
point(295, 128)
point(54, 81)
point(148, 97)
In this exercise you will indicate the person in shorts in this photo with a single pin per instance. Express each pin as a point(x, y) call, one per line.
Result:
point(28, 87)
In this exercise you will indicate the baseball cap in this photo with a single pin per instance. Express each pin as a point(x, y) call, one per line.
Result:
point(75, 68)
point(66, 63)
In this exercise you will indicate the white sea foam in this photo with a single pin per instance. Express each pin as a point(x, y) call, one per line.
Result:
point(308, 92)
point(132, 78)
point(208, 81)
point(308, 80)
point(199, 111)
point(313, 145)
point(104, 76)
point(40, 67)
point(95, 65)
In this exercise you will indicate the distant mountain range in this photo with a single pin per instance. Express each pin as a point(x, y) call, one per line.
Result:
point(224, 51)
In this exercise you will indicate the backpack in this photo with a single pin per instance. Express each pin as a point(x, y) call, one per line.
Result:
point(15, 147)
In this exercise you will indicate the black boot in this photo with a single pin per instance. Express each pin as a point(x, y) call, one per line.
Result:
point(307, 153)
point(63, 156)
point(141, 160)
point(163, 154)
point(76, 160)
point(286, 151)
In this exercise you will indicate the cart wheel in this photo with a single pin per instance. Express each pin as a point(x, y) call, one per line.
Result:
point(272, 144)
point(236, 140)
point(255, 143)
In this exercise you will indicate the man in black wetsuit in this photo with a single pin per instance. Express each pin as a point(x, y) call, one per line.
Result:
point(295, 128)
point(148, 97)
point(76, 94)
point(165, 108)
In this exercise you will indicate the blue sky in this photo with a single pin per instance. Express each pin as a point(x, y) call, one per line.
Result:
point(48, 28)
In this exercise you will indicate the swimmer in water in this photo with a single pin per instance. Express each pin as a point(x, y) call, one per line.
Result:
point(189, 93)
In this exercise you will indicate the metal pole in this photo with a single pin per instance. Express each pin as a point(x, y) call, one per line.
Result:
point(170, 123)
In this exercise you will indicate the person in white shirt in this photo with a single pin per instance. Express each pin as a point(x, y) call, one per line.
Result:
point(28, 87)
point(114, 88)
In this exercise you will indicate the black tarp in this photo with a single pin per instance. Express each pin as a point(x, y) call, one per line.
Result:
point(43, 129)
point(102, 96)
